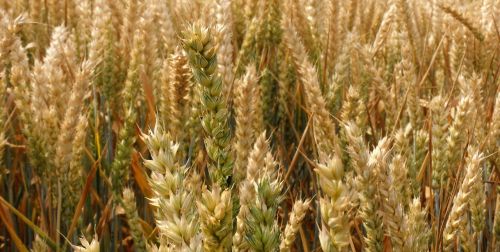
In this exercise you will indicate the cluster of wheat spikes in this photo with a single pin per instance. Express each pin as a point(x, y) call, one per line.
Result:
point(249, 125)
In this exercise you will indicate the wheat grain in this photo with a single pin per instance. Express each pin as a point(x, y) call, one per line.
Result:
point(377, 111)
point(215, 216)
point(463, 20)
point(299, 211)
point(418, 233)
point(244, 117)
point(201, 51)
point(334, 204)
point(92, 246)
point(324, 126)
point(175, 215)
point(130, 207)
point(457, 221)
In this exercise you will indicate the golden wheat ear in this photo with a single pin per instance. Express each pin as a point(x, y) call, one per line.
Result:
point(244, 110)
point(299, 211)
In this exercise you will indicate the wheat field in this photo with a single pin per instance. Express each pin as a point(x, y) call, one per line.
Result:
point(249, 125)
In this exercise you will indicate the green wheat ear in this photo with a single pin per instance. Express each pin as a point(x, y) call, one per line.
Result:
point(201, 50)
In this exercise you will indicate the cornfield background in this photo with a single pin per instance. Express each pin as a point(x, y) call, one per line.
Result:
point(249, 125)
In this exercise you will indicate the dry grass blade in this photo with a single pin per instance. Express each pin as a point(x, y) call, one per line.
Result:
point(297, 152)
point(140, 176)
point(28, 222)
point(79, 207)
point(10, 229)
